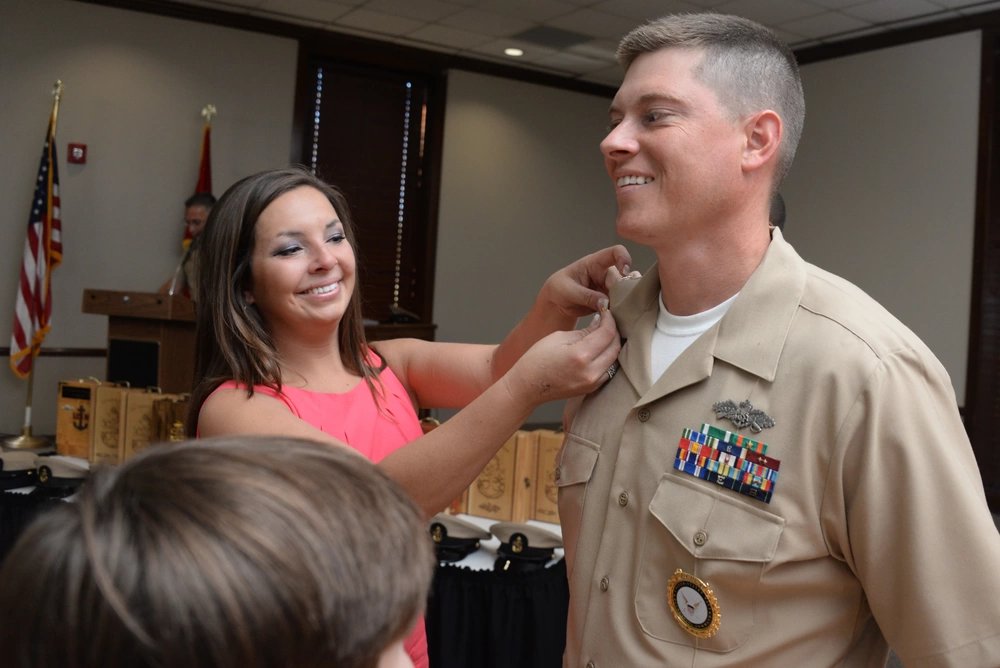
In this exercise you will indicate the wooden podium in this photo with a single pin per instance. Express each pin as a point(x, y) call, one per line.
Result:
point(150, 338)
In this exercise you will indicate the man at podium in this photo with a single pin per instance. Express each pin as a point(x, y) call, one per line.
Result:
point(185, 277)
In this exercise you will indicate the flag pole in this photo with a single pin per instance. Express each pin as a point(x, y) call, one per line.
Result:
point(26, 440)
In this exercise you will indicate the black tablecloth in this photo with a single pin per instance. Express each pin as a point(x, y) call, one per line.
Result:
point(16, 512)
point(492, 619)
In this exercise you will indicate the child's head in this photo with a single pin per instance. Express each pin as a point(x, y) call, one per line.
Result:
point(239, 551)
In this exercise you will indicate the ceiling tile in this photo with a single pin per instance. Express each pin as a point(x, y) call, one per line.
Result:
point(823, 25)
point(836, 4)
point(449, 37)
point(975, 8)
point(707, 4)
point(597, 24)
point(885, 11)
point(644, 10)
point(964, 4)
point(486, 23)
point(770, 12)
point(317, 10)
point(532, 10)
point(483, 28)
point(424, 10)
point(234, 4)
point(379, 23)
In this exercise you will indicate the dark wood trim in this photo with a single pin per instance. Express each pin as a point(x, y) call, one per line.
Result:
point(63, 352)
point(434, 147)
point(924, 31)
point(982, 394)
point(352, 48)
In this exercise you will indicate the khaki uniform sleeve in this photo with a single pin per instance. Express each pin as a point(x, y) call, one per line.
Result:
point(915, 526)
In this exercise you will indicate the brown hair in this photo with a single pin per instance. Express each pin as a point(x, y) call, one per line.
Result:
point(233, 341)
point(747, 66)
point(249, 552)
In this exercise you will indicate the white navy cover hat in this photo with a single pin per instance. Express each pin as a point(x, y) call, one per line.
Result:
point(454, 538)
point(17, 469)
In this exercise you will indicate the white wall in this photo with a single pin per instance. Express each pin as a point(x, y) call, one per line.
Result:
point(882, 191)
point(135, 85)
point(523, 193)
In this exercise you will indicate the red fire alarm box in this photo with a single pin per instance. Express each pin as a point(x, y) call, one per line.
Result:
point(76, 154)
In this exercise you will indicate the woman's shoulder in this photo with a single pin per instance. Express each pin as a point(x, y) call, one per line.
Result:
point(235, 387)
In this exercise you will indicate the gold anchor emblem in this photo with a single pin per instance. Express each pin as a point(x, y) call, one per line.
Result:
point(81, 419)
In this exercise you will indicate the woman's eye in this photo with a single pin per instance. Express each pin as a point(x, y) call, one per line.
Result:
point(288, 250)
point(337, 237)
point(613, 123)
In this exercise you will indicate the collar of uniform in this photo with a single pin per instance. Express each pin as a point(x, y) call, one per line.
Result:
point(634, 306)
point(752, 333)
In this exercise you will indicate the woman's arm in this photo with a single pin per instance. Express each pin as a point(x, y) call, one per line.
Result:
point(574, 291)
point(437, 467)
point(450, 375)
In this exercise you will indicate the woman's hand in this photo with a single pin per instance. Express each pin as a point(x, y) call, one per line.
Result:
point(582, 287)
point(566, 363)
point(574, 291)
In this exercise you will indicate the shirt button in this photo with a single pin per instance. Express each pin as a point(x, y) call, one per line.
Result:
point(643, 414)
point(700, 538)
point(604, 583)
point(623, 499)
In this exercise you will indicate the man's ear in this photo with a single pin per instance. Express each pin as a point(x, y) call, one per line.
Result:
point(763, 138)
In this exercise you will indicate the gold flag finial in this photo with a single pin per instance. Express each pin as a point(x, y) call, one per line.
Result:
point(57, 89)
point(207, 112)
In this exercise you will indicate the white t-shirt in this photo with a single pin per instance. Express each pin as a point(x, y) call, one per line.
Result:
point(674, 333)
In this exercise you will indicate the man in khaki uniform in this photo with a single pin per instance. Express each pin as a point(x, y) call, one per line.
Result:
point(778, 474)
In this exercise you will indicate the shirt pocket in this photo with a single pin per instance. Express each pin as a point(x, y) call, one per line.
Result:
point(724, 542)
point(574, 467)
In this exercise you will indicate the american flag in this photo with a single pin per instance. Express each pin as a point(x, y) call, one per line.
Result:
point(42, 254)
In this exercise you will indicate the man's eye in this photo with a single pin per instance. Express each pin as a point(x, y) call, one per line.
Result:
point(656, 115)
point(613, 123)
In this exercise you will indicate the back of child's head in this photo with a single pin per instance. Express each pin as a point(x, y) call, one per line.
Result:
point(239, 552)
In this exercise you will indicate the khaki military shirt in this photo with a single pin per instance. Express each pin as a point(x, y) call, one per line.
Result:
point(877, 531)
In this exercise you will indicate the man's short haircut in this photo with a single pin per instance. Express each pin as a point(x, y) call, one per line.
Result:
point(747, 66)
point(235, 552)
point(206, 200)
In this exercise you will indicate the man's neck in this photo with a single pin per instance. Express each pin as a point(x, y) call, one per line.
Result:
point(700, 273)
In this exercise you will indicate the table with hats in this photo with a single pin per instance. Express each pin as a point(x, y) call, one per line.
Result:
point(31, 481)
point(499, 596)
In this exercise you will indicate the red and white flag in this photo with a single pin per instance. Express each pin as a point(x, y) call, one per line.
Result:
point(204, 184)
point(42, 254)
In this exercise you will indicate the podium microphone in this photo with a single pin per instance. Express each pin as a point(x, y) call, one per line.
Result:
point(180, 267)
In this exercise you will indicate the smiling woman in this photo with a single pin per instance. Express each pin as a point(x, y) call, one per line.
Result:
point(282, 349)
point(303, 264)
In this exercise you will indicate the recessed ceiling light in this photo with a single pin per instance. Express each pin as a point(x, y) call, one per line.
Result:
point(511, 51)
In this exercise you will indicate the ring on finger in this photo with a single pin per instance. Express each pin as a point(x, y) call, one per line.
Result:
point(612, 370)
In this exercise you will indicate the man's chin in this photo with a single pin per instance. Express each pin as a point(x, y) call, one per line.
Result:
point(630, 228)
